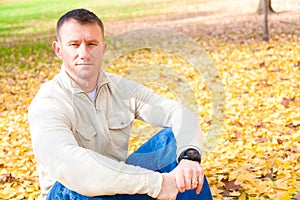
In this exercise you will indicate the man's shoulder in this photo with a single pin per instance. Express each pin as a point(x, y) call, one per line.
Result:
point(50, 92)
point(122, 83)
point(49, 89)
point(113, 77)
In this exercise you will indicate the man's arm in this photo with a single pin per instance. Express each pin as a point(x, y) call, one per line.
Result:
point(169, 188)
point(80, 169)
point(160, 111)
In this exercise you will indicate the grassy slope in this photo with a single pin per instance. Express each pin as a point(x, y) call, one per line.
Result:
point(27, 26)
point(24, 17)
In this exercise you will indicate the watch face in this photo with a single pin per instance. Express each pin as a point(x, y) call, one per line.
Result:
point(190, 154)
point(193, 155)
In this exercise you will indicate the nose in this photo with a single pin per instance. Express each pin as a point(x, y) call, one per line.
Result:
point(83, 51)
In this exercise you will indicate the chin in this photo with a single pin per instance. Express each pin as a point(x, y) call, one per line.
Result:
point(87, 75)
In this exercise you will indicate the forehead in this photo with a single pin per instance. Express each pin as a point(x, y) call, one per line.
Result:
point(73, 30)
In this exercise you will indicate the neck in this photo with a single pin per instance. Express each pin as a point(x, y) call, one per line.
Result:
point(87, 85)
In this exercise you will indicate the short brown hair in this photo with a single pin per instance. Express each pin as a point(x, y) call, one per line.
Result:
point(82, 16)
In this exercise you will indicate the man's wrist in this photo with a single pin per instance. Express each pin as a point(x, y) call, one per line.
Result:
point(190, 154)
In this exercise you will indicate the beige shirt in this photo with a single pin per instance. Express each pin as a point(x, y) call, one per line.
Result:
point(84, 144)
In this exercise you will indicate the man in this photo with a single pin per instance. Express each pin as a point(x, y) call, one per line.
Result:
point(80, 123)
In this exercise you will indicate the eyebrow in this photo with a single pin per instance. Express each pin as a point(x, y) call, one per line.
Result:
point(88, 41)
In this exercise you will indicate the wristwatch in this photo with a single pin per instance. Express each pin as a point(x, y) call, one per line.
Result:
point(190, 154)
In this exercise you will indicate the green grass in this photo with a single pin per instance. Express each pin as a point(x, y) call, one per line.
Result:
point(27, 27)
point(32, 16)
point(25, 17)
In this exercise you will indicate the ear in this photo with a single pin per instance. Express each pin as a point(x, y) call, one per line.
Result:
point(56, 48)
point(104, 47)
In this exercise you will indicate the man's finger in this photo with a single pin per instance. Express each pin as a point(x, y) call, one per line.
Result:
point(180, 182)
point(195, 180)
point(188, 182)
point(200, 183)
point(194, 184)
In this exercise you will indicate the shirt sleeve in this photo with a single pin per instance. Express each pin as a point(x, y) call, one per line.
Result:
point(82, 170)
point(160, 111)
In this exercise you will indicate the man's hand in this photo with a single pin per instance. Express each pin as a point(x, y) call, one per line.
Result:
point(169, 189)
point(189, 175)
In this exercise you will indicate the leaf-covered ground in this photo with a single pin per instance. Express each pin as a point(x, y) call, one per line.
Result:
point(257, 155)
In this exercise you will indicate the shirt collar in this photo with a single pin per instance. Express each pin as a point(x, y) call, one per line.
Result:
point(74, 87)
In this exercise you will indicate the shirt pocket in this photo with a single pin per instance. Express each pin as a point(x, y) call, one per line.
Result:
point(86, 132)
point(119, 129)
point(120, 121)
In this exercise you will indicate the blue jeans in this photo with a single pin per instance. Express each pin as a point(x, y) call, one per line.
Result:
point(157, 154)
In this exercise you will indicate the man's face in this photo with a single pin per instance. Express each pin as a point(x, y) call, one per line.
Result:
point(81, 47)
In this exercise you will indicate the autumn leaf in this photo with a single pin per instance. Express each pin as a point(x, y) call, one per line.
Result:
point(7, 178)
point(229, 187)
point(259, 124)
point(285, 102)
point(270, 175)
point(297, 196)
point(261, 140)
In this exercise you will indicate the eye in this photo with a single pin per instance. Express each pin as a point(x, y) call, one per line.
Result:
point(73, 45)
point(92, 44)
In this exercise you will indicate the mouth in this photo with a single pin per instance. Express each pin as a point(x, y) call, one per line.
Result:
point(84, 64)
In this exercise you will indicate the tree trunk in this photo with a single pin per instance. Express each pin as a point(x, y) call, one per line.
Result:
point(265, 10)
point(260, 9)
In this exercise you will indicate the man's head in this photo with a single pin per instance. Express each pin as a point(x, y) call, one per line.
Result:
point(80, 44)
point(82, 16)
